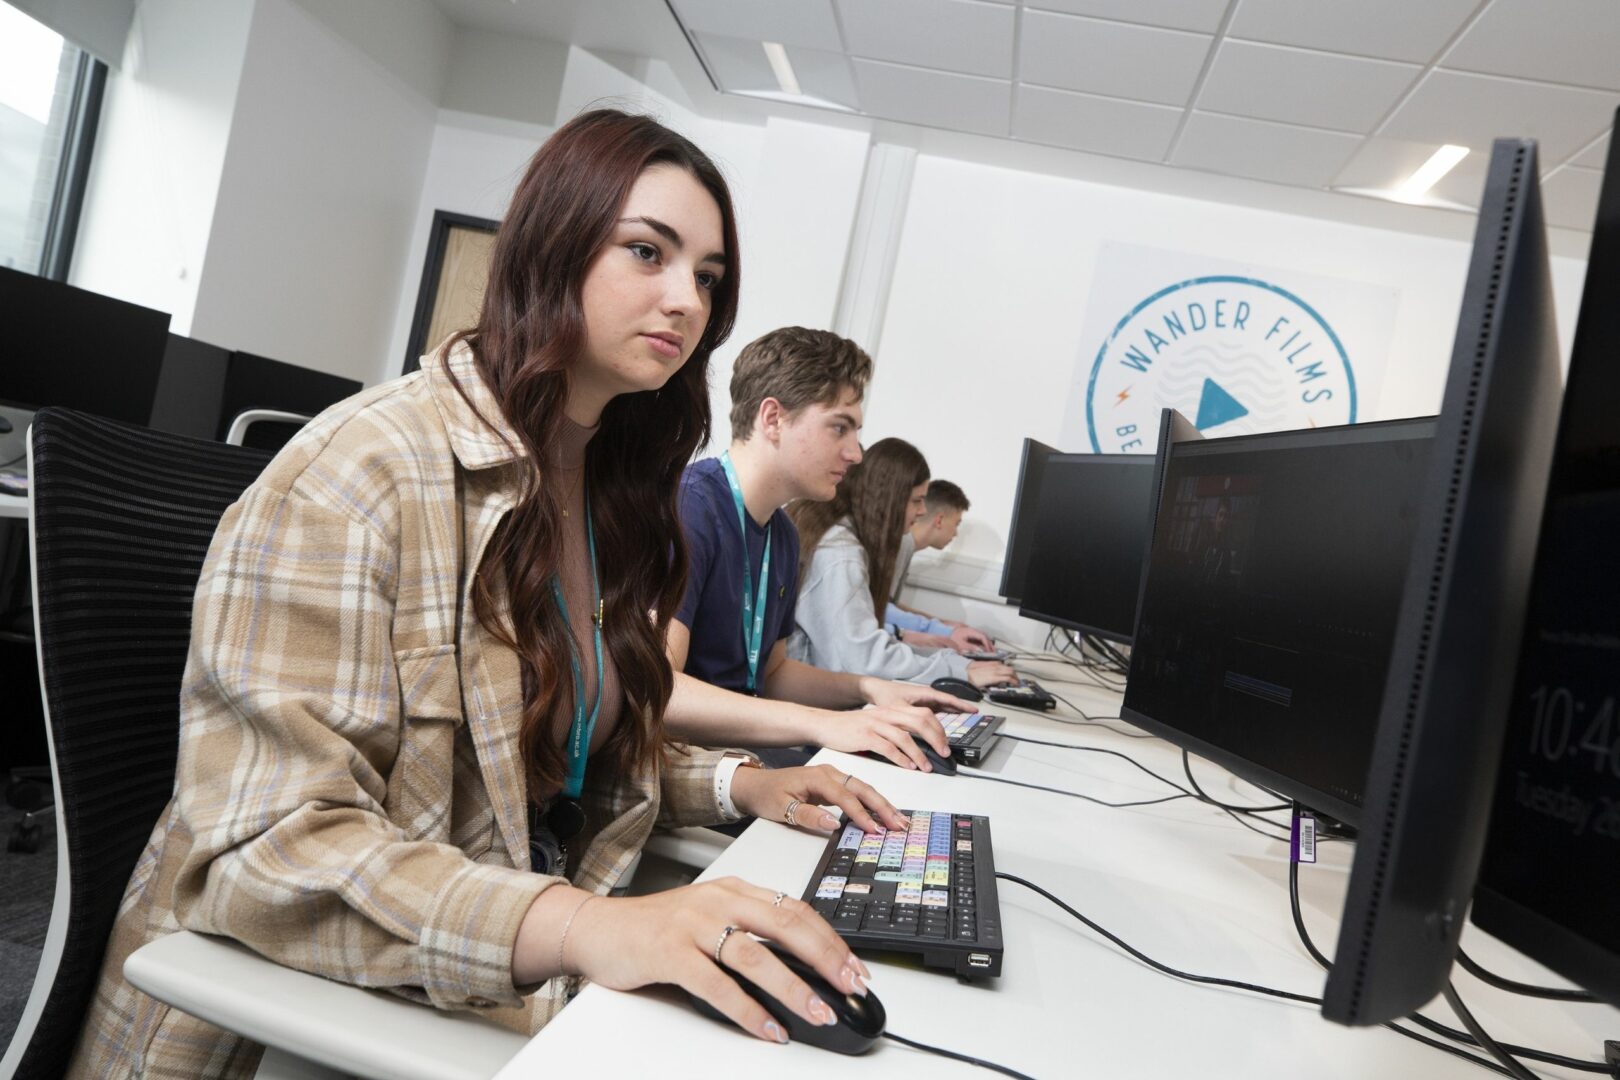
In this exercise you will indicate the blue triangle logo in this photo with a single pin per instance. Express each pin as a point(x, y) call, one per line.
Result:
point(1216, 407)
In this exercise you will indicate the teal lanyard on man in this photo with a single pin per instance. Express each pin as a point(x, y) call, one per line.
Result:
point(753, 619)
point(566, 817)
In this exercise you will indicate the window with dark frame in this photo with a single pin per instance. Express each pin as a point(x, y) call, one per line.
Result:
point(50, 102)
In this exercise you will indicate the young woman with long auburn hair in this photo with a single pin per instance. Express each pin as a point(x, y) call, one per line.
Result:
point(848, 548)
point(422, 720)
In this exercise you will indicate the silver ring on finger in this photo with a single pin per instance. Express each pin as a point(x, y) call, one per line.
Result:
point(847, 778)
point(721, 944)
point(776, 901)
point(787, 815)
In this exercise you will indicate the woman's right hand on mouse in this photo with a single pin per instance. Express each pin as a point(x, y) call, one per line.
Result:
point(983, 673)
point(672, 937)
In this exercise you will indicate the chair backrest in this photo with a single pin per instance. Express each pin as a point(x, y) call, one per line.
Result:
point(121, 519)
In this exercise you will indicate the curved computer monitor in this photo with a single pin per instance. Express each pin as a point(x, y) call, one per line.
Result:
point(1551, 870)
point(1091, 529)
point(1269, 599)
point(1031, 466)
point(1444, 708)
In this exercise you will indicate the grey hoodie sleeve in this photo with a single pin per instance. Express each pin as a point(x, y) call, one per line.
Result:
point(837, 629)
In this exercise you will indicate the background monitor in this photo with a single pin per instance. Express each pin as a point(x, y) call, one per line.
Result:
point(79, 349)
point(190, 387)
point(257, 382)
point(1090, 533)
point(1269, 599)
point(1031, 465)
point(1551, 871)
point(1451, 674)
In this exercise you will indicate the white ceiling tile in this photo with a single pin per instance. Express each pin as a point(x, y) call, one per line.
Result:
point(809, 23)
point(1384, 164)
point(1255, 148)
point(1595, 156)
point(1302, 86)
point(1110, 58)
point(1472, 110)
point(1569, 197)
point(933, 98)
point(1571, 41)
point(1392, 29)
point(739, 66)
point(1097, 125)
point(952, 35)
point(1201, 15)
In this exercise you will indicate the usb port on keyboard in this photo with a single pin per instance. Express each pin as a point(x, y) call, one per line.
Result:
point(978, 960)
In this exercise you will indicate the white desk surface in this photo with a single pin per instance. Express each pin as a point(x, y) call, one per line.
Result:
point(1180, 881)
point(13, 506)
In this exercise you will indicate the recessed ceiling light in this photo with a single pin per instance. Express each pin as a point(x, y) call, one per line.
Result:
point(1430, 173)
point(783, 70)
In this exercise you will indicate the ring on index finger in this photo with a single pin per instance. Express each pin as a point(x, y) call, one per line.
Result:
point(847, 778)
point(787, 815)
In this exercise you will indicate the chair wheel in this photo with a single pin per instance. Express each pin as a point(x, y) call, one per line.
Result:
point(24, 838)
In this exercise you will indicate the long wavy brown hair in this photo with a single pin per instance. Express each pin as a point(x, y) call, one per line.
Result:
point(529, 332)
point(873, 495)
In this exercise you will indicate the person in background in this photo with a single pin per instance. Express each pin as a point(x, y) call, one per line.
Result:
point(795, 431)
point(422, 720)
point(848, 550)
point(943, 507)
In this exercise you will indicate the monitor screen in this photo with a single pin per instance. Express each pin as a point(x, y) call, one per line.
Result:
point(1270, 597)
point(1444, 710)
point(1091, 530)
point(1551, 870)
point(1030, 468)
point(78, 349)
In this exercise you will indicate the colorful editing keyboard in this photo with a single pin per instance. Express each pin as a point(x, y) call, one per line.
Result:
point(930, 890)
point(971, 734)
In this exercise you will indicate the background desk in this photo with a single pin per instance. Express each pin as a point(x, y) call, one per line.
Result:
point(1181, 881)
point(13, 506)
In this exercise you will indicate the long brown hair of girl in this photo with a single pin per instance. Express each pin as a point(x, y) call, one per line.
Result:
point(873, 494)
point(531, 328)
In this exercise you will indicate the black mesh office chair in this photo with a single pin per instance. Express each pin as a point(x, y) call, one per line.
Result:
point(122, 518)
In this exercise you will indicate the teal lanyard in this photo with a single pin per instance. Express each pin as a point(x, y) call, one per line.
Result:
point(753, 620)
point(579, 733)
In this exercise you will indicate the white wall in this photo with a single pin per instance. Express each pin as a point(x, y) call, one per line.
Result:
point(988, 301)
point(328, 148)
point(794, 185)
point(160, 152)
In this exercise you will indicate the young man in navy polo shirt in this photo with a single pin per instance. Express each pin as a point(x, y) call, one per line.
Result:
point(795, 429)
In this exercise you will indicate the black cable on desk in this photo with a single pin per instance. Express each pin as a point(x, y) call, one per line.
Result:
point(1234, 983)
point(977, 775)
point(1163, 780)
point(1508, 1062)
point(953, 1055)
point(1513, 987)
point(1464, 1037)
point(1186, 765)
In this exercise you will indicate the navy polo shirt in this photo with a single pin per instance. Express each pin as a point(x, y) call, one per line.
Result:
point(712, 609)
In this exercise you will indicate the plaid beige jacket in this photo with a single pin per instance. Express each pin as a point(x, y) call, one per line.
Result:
point(350, 798)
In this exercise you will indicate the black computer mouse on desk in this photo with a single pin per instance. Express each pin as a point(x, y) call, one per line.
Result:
point(860, 1019)
point(958, 688)
point(945, 766)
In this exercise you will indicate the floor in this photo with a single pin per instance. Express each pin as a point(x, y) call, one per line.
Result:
point(27, 884)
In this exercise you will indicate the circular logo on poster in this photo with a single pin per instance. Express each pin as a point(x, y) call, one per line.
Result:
point(1234, 355)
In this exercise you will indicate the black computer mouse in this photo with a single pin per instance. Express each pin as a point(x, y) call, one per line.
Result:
point(860, 1019)
point(944, 765)
point(958, 688)
point(5, 426)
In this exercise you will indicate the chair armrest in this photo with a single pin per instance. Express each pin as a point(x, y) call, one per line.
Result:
point(696, 848)
point(364, 1032)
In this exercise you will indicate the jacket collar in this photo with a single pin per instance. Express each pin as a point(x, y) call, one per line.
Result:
point(479, 434)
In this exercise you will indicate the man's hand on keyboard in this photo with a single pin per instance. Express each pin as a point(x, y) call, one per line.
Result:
point(885, 730)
